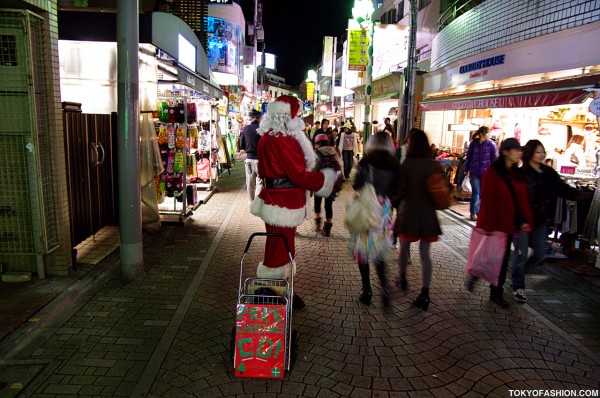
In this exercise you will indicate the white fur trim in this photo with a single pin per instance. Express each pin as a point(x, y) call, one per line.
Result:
point(278, 107)
point(278, 216)
point(282, 272)
point(296, 124)
point(306, 145)
point(330, 179)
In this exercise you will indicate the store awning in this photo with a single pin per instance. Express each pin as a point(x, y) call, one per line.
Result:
point(559, 92)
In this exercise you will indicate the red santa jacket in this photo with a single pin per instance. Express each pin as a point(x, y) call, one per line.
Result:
point(282, 156)
point(497, 211)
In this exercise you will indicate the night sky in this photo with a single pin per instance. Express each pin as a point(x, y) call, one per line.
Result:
point(294, 31)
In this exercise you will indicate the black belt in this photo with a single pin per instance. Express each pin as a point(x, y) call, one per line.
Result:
point(275, 183)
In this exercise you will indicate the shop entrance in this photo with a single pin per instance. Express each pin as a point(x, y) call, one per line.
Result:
point(90, 141)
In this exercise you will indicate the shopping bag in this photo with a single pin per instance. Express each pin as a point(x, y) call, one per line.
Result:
point(486, 253)
point(466, 185)
point(364, 212)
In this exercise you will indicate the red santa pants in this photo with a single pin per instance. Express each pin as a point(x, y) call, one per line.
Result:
point(276, 254)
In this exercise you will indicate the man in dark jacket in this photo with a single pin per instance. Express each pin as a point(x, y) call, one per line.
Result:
point(249, 144)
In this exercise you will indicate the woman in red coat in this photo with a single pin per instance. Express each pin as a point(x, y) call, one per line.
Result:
point(504, 209)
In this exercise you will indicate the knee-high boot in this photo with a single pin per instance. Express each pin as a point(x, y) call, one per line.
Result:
point(366, 294)
point(384, 286)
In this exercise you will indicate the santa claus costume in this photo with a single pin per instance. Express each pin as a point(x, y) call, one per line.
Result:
point(285, 155)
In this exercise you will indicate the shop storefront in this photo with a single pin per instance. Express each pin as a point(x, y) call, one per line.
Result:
point(384, 98)
point(521, 91)
point(178, 98)
point(527, 91)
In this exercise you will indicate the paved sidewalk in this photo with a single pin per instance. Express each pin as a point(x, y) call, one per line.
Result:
point(168, 334)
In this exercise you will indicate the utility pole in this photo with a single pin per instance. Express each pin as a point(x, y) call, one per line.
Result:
point(128, 122)
point(410, 72)
point(255, 46)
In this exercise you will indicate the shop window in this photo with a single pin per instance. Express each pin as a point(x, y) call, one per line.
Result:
point(8, 50)
point(400, 12)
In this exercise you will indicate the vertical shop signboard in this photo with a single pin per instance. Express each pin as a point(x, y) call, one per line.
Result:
point(328, 58)
point(260, 340)
point(310, 91)
point(357, 50)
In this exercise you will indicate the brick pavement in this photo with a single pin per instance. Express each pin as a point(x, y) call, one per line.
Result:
point(168, 334)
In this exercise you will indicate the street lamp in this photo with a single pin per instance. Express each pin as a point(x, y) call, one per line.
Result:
point(362, 12)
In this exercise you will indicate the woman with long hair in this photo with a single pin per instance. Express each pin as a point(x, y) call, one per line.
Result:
point(504, 207)
point(417, 218)
point(380, 168)
point(544, 186)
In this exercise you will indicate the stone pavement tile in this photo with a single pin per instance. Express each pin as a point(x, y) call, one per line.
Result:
point(462, 346)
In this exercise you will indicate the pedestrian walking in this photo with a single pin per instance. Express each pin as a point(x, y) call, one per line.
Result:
point(480, 156)
point(348, 147)
point(380, 168)
point(249, 144)
point(416, 219)
point(327, 157)
point(504, 207)
point(544, 186)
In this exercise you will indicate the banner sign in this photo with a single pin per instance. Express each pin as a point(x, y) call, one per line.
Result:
point(327, 56)
point(310, 91)
point(260, 340)
point(357, 50)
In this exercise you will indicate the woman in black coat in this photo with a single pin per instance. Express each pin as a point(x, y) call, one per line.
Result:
point(417, 218)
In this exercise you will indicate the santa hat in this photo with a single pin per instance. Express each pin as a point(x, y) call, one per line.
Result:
point(285, 104)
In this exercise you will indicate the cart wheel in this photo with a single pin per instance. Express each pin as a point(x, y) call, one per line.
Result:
point(232, 344)
point(295, 343)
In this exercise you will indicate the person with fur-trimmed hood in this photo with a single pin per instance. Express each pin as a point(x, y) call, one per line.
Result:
point(286, 155)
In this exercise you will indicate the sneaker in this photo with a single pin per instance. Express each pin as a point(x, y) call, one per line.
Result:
point(520, 295)
point(473, 217)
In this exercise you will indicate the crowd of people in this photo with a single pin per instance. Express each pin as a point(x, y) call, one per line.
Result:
point(294, 162)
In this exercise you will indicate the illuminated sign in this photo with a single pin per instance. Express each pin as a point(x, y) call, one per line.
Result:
point(187, 53)
point(357, 51)
point(220, 1)
point(269, 60)
point(484, 63)
point(327, 56)
point(310, 91)
point(224, 45)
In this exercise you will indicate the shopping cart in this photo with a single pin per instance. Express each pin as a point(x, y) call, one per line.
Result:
point(263, 344)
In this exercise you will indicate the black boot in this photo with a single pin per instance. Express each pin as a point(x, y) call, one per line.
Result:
point(381, 273)
point(422, 301)
point(402, 282)
point(496, 296)
point(327, 229)
point(366, 294)
point(318, 221)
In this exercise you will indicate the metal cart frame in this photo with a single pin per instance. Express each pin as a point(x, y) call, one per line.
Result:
point(247, 294)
